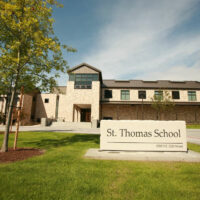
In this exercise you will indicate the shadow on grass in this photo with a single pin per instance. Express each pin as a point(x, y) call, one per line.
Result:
point(48, 143)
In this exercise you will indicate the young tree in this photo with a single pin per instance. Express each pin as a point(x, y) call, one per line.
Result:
point(30, 53)
point(162, 102)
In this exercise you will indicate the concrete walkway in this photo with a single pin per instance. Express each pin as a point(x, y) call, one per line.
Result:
point(189, 156)
point(193, 135)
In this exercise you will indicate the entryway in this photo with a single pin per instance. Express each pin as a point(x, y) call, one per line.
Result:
point(86, 115)
point(82, 113)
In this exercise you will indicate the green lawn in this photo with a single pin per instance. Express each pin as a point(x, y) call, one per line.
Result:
point(63, 173)
point(193, 126)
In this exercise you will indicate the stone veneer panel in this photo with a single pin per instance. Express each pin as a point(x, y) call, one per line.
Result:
point(82, 96)
point(116, 93)
point(62, 107)
point(84, 70)
point(191, 114)
point(27, 107)
point(45, 110)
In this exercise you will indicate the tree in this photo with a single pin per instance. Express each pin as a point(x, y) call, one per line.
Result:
point(162, 102)
point(30, 53)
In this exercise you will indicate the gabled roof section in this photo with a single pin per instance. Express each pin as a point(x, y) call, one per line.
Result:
point(83, 65)
point(86, 65)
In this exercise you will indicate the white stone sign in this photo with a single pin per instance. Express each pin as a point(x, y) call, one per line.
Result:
point(144, 135)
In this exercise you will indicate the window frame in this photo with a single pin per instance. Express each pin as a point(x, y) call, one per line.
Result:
point(126, 95)
point(142, 91)
point(175, 91)
point(158, 96)
point(84, 81)
point(189, 97)
point(107, 94)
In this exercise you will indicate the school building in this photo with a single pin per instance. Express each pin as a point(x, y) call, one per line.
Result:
point(87, 98)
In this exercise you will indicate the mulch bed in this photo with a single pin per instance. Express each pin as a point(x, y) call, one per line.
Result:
point(19, 154)
point(2, 132)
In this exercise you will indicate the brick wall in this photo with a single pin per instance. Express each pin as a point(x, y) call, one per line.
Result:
point(191, 114)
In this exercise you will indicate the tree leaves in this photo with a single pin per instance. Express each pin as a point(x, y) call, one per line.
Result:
point(28, 46)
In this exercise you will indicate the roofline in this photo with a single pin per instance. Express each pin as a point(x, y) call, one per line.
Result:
point(83, 64)
point(171, 81)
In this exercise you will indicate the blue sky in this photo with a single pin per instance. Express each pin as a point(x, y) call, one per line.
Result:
point(132, 39)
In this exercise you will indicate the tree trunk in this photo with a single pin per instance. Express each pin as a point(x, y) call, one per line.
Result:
point(8, 121)
point(18, 118)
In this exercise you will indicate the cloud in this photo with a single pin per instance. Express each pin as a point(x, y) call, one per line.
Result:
point(143, 39)
point(176, 73)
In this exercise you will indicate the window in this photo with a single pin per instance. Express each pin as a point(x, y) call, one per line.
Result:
point(84, 81)
point(141, 94)
point(108, 94)
point(158, 95)
point(192, 96)
point(71, 77)
point(175, 95)
point(46, 100)
point(125, 95)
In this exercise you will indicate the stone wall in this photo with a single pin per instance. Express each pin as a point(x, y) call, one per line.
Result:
point(116, 95)
point(26, 109)
point(84, 70)
point(191, 114)
point(45, 110)
point(62, 107)
point(90, 97)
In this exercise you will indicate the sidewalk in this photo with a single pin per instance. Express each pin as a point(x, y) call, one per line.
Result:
point(39, 128)
point(193, 135)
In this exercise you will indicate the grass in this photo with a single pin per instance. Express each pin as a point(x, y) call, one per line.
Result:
point(63, 173)
point(194, 147)
point(193, 126)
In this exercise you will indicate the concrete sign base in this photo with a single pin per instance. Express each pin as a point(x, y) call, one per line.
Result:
point(189, 156)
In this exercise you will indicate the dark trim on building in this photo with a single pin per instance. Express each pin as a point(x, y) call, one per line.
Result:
point(149, 88)
point(148, 103)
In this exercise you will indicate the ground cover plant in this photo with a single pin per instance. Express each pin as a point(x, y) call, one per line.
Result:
point(193, 126)
point(62, 173)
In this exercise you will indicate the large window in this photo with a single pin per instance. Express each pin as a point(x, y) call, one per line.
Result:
point(108, 94)
point(141, 94)
point(83, 81)
point(125, 95)
point(158, 95)
point(175, 95)
point(192, 96)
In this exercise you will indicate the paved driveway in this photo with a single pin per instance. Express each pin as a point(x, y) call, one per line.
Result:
point(193, 135)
